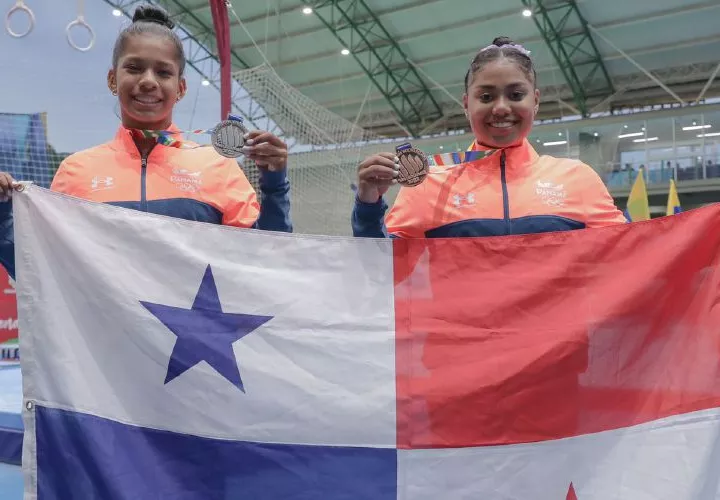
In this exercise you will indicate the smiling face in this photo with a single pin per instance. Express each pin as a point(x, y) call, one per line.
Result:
point(148, 82)
point(501, 103)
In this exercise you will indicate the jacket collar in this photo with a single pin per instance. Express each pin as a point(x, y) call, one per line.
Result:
point(123, 141)
point(521, 154)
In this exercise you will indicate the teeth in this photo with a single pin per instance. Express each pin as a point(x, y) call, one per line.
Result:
point(501, 124)
point(146, 100)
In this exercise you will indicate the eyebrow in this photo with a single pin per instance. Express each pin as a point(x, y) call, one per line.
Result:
point(137, 59)
point(494, 87)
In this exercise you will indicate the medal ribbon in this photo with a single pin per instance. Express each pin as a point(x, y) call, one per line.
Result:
point(447, 159)
point(165, 137)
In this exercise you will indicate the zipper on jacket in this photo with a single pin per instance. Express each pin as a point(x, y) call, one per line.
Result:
point(143, 183)
point(143, 175)
point(506, 200)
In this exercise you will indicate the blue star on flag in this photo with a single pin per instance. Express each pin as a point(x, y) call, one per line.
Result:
point(205, 333)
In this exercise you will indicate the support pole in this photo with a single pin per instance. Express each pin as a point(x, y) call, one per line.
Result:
point(221, 24)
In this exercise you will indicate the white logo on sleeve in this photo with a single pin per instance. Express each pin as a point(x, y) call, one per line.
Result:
point(101, 183)
point(463, 201)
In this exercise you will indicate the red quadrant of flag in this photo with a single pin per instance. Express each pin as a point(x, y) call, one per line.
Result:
point(540, 337)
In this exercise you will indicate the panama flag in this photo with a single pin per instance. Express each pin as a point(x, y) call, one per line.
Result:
point(164, 358)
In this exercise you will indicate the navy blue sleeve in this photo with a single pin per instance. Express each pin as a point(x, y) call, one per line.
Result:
point(368, 219)
point(7, 238)
point(274, 202)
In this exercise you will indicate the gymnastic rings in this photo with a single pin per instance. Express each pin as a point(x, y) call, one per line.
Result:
point(80, 21)
point(19, 7)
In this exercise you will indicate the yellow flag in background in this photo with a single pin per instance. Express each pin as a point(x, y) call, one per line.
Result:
point(638, 207)
point(673, 203)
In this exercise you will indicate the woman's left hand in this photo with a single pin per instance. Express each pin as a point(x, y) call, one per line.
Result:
point(266, 150)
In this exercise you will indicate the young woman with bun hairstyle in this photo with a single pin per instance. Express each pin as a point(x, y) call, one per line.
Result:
point(135, 171)
point(505, 187)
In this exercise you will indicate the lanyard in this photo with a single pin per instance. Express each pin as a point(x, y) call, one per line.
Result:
point(447, 159)
point(227, 137)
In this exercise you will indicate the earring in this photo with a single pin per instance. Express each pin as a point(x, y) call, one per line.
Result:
point(114, 92)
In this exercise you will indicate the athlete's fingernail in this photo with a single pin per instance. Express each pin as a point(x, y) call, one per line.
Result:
point(249, 142)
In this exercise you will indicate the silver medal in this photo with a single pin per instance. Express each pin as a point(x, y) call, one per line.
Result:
point(228, 138)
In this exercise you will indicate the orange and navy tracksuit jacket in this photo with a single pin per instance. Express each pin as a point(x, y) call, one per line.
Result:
point(510, 191)
point(194, 184)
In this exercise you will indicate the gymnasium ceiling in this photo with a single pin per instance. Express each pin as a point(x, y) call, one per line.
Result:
point(404, 73)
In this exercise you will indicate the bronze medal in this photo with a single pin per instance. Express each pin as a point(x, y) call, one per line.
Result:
point(414, 165)
point(228, 138)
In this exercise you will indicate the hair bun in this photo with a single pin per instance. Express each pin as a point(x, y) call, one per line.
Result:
point(152, 14)
point(502, 40)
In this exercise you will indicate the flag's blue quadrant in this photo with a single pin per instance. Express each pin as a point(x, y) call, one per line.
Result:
point(83, 457)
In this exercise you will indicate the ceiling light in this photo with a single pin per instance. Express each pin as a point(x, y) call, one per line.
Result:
point(205, 83)
point(697, 127)
point(634, 134)
point(554, 143)
point(527, 13)
point(596, 134)
point(711, 134)
point(307, 11)
point(649, 139)
point(117, 13)
point(344, 52)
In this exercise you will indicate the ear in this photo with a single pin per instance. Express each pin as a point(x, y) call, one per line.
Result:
point(537, 101)
point(182, 88)
point(112, 81)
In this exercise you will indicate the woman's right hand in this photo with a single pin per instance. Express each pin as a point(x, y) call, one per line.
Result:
point(7, 186)
point(376, 174)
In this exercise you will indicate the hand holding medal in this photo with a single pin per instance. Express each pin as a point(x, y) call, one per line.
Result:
point(408, 167)
point(232, 139)
point(266, 150)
